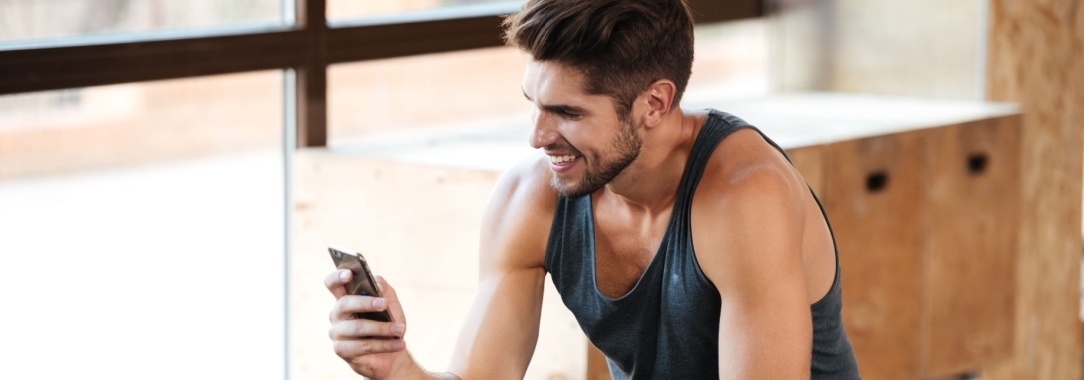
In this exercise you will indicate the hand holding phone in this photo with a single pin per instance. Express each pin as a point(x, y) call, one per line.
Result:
point(362, 282)
point(362, 331)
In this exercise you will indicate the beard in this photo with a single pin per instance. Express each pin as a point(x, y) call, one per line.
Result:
point(625, 147)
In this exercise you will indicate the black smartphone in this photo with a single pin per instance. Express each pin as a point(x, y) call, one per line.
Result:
point(362, 282)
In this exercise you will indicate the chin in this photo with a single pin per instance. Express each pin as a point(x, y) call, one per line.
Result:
point(569, 190)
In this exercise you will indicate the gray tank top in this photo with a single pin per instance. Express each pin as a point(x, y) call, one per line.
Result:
point(667, 326)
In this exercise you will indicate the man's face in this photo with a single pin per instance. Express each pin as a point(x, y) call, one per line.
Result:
point(588, 144)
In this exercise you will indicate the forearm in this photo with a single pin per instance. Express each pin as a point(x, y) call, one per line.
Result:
point(422, 374)
point(419, 373)
point(406, 368)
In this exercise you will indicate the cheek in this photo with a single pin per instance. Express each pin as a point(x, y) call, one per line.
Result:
point(580, 136)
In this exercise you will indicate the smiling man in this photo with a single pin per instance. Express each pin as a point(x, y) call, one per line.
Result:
point(683, 241)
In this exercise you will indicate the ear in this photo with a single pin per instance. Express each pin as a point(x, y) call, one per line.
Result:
point(660, 99)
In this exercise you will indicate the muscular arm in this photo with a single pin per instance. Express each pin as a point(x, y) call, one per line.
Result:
point(754, 222)
point(499, 336)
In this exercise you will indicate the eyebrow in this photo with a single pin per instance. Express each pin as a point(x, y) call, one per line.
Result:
point(559, 108)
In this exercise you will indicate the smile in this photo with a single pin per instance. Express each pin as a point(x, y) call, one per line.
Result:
point(563, 160)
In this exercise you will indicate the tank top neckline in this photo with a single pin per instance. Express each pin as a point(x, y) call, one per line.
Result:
point(678, 210)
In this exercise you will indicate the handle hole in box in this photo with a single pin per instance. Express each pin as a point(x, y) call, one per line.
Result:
point(877, 181)
point(976, 163)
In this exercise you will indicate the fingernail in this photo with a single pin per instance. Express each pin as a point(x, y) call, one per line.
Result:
point(398, 345)
point(378, 303)
point(344, 275)
point(398, 328)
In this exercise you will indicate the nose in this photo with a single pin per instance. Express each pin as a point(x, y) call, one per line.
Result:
point(543, 131)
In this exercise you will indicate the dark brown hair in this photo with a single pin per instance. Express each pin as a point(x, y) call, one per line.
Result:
point(622, 46)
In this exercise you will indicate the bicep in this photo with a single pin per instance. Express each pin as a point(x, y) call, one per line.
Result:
point(765, 332)
point(499, 336)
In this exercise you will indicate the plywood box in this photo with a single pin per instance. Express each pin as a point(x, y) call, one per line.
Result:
point(874, 199)
point(927, 224)
point(972, 228)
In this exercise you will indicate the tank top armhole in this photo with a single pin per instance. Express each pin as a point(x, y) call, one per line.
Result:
point(552, 242)
point(702, 278)
point(835, 251)
point(824, 215)
point(726, 125)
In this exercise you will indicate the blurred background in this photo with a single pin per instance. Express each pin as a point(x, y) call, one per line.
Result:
point(170, 172)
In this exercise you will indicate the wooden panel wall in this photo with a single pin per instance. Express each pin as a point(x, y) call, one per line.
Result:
point(972, 230)
point(1036, 57)
point(874, 195)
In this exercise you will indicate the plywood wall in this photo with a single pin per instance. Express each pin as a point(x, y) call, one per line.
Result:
point(1036, 57)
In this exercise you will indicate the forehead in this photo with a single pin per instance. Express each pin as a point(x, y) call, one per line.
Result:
point(551, 79)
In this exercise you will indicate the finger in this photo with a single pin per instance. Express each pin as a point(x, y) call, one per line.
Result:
point(348, 305)
point(336, 281)
point(359, 329)
point(350, 349)
point(392, 299)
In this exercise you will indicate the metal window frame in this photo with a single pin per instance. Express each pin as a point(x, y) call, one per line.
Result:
point(308, 48)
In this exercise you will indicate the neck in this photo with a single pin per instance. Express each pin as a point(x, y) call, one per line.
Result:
point(651, 182)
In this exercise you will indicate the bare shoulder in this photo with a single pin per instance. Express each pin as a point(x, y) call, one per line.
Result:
point(517, 220)
point(746, 173)
point(748, 209)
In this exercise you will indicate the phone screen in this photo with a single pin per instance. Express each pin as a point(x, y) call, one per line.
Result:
point(362, 283)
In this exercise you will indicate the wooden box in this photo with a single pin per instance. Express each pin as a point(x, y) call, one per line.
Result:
point(927, 224)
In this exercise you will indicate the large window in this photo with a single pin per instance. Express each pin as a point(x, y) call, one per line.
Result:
point(27, 20)
point(143, 230)
point(425, 94)
point(347, 10)
point(55, 132)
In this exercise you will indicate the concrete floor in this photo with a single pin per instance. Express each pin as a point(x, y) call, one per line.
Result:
point(161, 271)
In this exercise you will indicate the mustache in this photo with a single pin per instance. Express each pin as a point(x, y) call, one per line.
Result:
point(562, 146)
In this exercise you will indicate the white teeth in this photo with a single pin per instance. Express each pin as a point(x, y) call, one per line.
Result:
point(562, 159)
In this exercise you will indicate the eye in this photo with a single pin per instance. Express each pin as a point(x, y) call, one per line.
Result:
point(568, 115)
